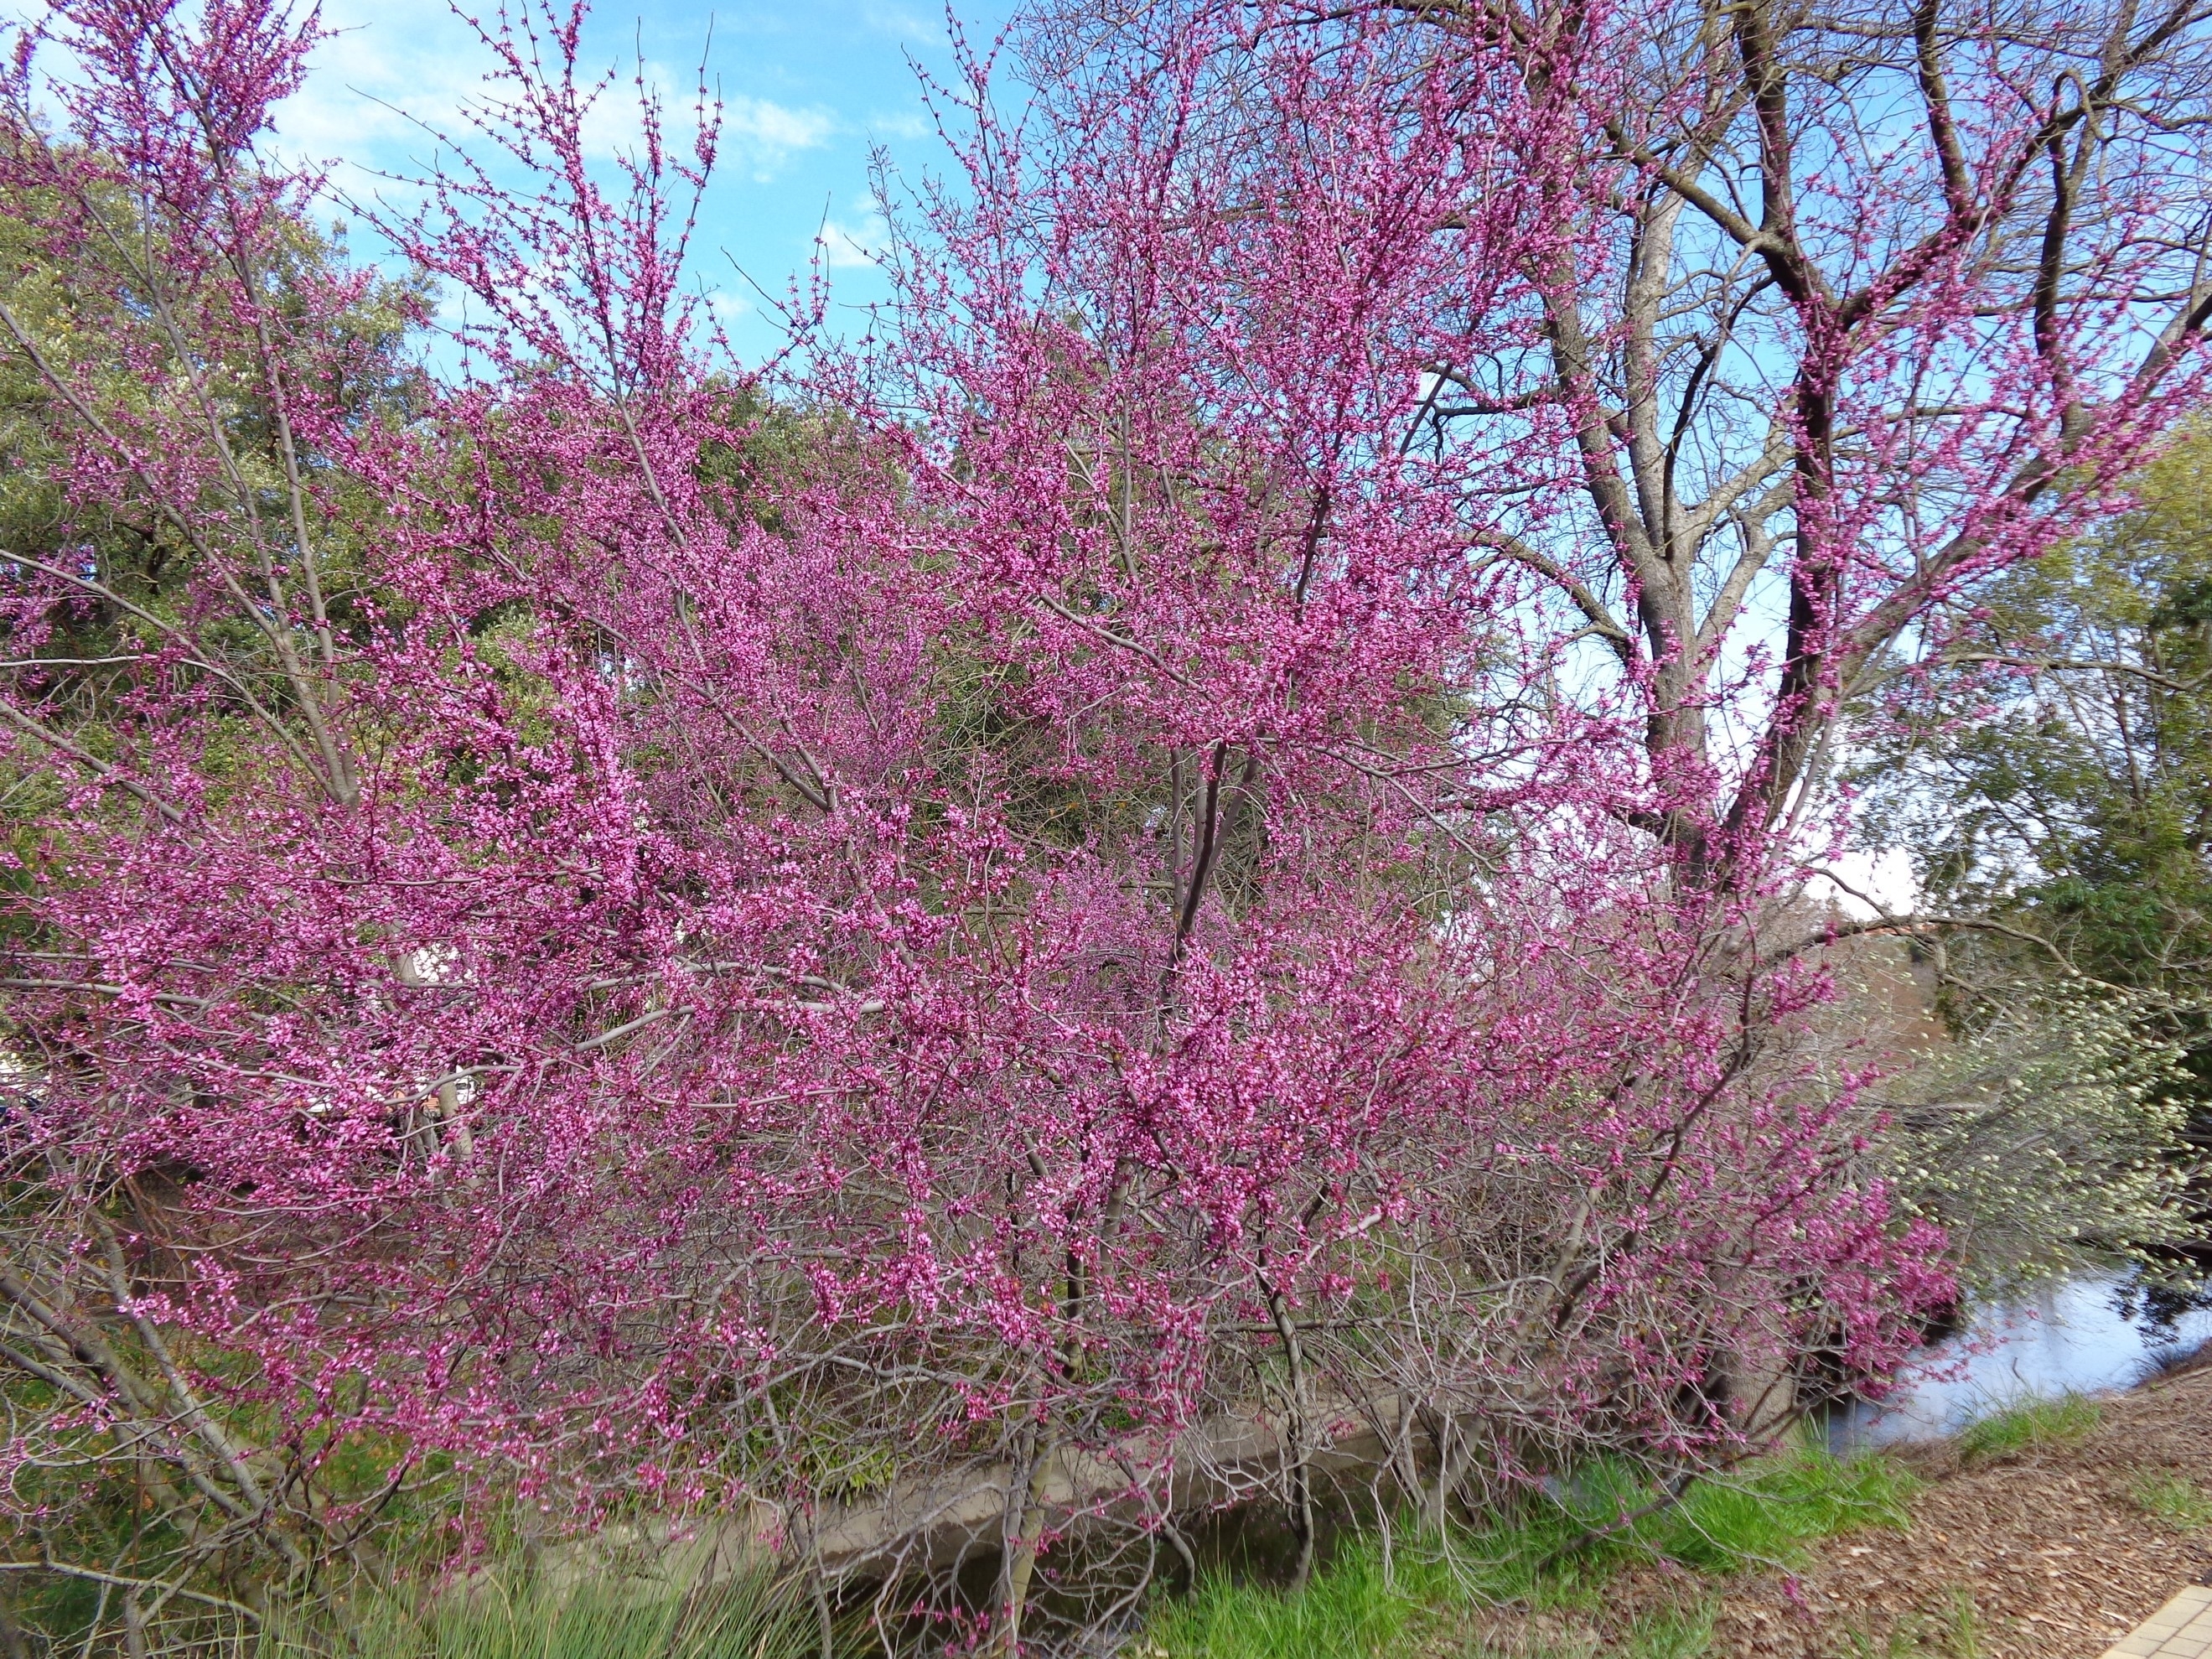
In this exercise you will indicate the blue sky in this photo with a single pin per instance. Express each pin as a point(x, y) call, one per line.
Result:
point(809, 89)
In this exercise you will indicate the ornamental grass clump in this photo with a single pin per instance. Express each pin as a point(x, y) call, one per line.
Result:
point(2032, 1426)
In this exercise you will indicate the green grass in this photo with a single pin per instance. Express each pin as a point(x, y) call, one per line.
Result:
point(1764, 1515)
point(2181, 1504)
point(1353, 1609)
point(1768, 1518)
point(1683, 1634)
point(1954, 1634)
point(2032, 1426)
point(503, 1616)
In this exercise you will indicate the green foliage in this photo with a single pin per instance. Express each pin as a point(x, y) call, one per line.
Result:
point(2058, 795)
point(1554, 1551)
point(2080, 784)
point(147, 347)
point(2050, 768)
point(2066, 789)
point(2032, 1426)
point(2178, 1502)
point(93, 310)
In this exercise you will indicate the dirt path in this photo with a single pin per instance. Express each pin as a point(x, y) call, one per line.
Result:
point(2051, 1551)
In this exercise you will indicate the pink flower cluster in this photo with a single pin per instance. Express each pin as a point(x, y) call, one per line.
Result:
point(1068, 876)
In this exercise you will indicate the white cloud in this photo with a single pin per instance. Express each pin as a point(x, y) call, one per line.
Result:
point(399, 69)
point(901, 124)
point(854, 244)
point(390, 70)
point(905, 22)
point(773, 126)
point(761, 135)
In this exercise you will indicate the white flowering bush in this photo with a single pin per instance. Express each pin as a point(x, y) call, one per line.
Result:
point(2052, 1139)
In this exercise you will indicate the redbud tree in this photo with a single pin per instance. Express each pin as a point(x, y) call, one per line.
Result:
point(968, 951)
